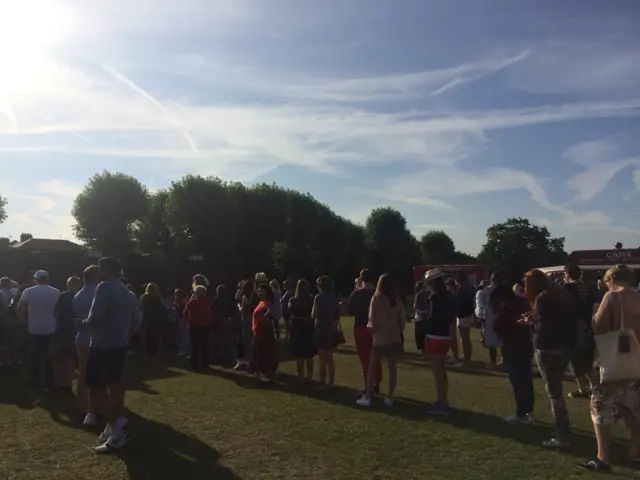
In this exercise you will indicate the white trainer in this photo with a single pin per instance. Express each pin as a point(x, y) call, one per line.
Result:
point(364, 401)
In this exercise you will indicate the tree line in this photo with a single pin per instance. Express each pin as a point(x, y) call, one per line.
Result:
point(239, 230)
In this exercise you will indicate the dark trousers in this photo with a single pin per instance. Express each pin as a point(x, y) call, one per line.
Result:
point(199, 347)
point(553, 365)
point(520, 371)
point(38, 348)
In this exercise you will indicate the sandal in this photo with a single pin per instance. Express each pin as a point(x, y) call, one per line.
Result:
point(579, 394)
point(595, 464)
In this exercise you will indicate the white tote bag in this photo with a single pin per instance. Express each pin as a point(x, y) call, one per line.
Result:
point(616, 365)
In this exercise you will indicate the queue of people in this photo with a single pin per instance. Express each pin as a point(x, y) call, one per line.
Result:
point(92, 325)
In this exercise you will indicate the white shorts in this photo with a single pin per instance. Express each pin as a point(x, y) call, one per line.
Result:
point(466, 322)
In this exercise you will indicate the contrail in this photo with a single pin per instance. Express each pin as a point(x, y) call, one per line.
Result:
point(175, 122)
point(75, 134)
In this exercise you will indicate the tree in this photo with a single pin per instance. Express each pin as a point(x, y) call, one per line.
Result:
point(389, 244)
point(202, 216)
point(25, 236)
point(152, 232)
point(437, 248)
point(5, 243)
point(107, 211)
point(3, 209)
point(517, 245)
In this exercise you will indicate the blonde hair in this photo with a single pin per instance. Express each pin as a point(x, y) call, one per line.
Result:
point(152, 290)
point(200, 291)
point(620, 275)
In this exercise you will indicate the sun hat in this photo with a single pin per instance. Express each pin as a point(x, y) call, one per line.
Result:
point(433, 274)
point(261, 277)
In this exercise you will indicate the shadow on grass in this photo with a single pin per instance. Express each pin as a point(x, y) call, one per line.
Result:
point(583, 443)
point(159, 451)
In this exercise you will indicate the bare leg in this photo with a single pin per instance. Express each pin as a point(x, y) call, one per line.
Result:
point(467, 346)
point(454, 341)
point(300, 368)
point(437, 363)
point(603, 435)
point(393, 375)
point(323, 366)
point(583, 384)
point(332, 369)
point(309, 363)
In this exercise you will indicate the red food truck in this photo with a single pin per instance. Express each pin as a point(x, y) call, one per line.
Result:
point(595, 263)
point(476, 273)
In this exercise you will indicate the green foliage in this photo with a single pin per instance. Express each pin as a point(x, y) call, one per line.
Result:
point(437, 248)
point(152, 232)
point(517, 245)
point(3, 209)
point(25, 236)
point(390, 246)
point(107, 211)
point(5, 243)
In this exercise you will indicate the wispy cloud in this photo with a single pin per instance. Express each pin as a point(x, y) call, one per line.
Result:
point(598, 158)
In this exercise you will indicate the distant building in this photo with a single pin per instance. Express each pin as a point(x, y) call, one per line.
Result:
point(47, 245)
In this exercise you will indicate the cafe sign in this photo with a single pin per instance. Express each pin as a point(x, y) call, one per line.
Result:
point(605, 257)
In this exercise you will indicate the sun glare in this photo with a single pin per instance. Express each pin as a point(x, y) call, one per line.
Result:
point(27, 28)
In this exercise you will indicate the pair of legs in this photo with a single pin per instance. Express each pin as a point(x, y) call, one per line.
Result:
point(493, 355)
point(373, 377)
point(327, 366)
point(64, 366)
point(199, 340)
point(520, 372)
point(553, 365)
point(582, 364)
point(465, 340)
point(610, 403)
point(435, 350)
point(38, 358)
point(301, 363)
point(104, 379)
point(364, 347)
point(81, 390)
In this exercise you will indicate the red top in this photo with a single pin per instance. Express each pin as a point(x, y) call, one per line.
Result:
point(259, 314)
point(197, 312)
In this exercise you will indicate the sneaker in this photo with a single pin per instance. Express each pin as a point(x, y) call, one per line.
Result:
point(556, 444)
point(596, 464)
point(108, 431)
point(363, 401)
point(452, 361)
point(519, 420)
point(388, 401)
point(90, 420)
point(438, 409)
point(113, 444)
point(240, 365)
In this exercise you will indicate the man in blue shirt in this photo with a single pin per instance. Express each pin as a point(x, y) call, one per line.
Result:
point(112, 321)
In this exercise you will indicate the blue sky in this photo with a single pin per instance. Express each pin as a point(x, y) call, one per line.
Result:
point(458, 113)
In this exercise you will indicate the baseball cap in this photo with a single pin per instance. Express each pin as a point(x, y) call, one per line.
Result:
point(40, 274)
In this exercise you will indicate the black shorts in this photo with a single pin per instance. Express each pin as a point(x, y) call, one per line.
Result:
point(105, 367)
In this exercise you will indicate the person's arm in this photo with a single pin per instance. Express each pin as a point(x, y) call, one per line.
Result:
point(374, 315)
point(314, 309)
point(136, 318)
point(603, 318)
point(23, 307)
point(353, 300)
point(402, 318)
point(100, 305)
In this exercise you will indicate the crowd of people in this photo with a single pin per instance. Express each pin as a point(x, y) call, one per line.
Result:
point(87, 331)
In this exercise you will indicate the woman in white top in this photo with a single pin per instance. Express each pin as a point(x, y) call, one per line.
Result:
point(618, 399)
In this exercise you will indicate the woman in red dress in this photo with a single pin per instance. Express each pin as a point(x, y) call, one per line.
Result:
point(265, 347)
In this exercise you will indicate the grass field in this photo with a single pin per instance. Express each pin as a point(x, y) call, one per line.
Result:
point(225, 425)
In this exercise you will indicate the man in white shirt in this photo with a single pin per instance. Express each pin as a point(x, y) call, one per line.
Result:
point(36, 308)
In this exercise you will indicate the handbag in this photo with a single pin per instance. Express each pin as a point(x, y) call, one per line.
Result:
point(618, 352)
point(338, 336)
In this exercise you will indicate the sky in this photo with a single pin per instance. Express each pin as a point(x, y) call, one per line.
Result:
point(457, 113)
